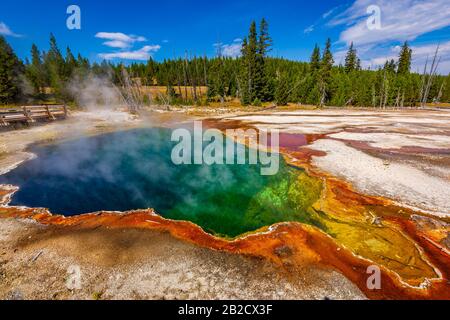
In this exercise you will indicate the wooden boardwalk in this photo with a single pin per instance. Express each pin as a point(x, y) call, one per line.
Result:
point(31, 114)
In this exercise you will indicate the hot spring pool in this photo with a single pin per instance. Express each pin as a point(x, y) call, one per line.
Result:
point(133, 170)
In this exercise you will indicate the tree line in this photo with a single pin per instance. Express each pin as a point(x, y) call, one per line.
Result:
point(254, 78)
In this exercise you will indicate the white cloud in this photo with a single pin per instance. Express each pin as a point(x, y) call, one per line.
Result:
point(6, 31)
point(117, 44)
point(119, 40)
point(142, 54)
point(232, 50)
point(377, 57)
point(400, 20)
point(309, 29)
point(328, 13)
point(119, 36)
point(125, 43)
point(321, 21)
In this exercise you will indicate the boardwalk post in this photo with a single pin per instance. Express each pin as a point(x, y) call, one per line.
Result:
point(50, 115)
point(27, 115)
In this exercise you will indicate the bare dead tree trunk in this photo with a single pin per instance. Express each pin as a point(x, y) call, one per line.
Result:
point(194, 80)
point(185, 78)
point(349, 101)
point(424, 78)
point(179, 82)
point(438, 99)
point(433, 70)
point(432, 76)
point(238, 82)
point(204, 72)
point(374, 98)
point(397, 99)
point(131, 93)
point(386, 92)
point(322, 98)
point(198, 81)
point(189, 76)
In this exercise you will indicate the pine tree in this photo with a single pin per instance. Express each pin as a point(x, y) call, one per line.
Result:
point(263, 89)
point(244, 75)
point(351, 60)
point(358, 64)
point(282, 89)
point(311, 94)
point(70, 64)
point(217, 80)
point(404, 62)
point(83, 68)
point(390, 66)
point(252, 59)
point(265, 41)
point(55, 66)
point(35, 71)
point(10, 72)
point(83, 62)
point(249, 66)
point(54, 57)
point(325, 72)
point(315, 60)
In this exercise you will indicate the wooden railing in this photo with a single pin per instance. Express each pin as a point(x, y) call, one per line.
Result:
point(30, 114)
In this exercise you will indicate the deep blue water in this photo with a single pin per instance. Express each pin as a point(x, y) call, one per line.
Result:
point(133, 170)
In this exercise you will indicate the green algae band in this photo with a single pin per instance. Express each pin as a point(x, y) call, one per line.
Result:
point(133, 170)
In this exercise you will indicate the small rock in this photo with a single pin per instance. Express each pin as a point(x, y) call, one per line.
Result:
point(15, 295)
point(377, 221)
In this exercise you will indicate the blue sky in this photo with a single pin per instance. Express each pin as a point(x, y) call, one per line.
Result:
point(135, 30)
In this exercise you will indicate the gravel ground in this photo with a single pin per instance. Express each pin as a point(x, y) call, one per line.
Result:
point(38, 262)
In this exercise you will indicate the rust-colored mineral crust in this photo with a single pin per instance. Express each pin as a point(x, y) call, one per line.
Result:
point(290, 245)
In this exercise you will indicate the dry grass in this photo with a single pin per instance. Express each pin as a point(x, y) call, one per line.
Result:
point(439, 105)
point(8, 106)
point(157, 90)
point(235, 104)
